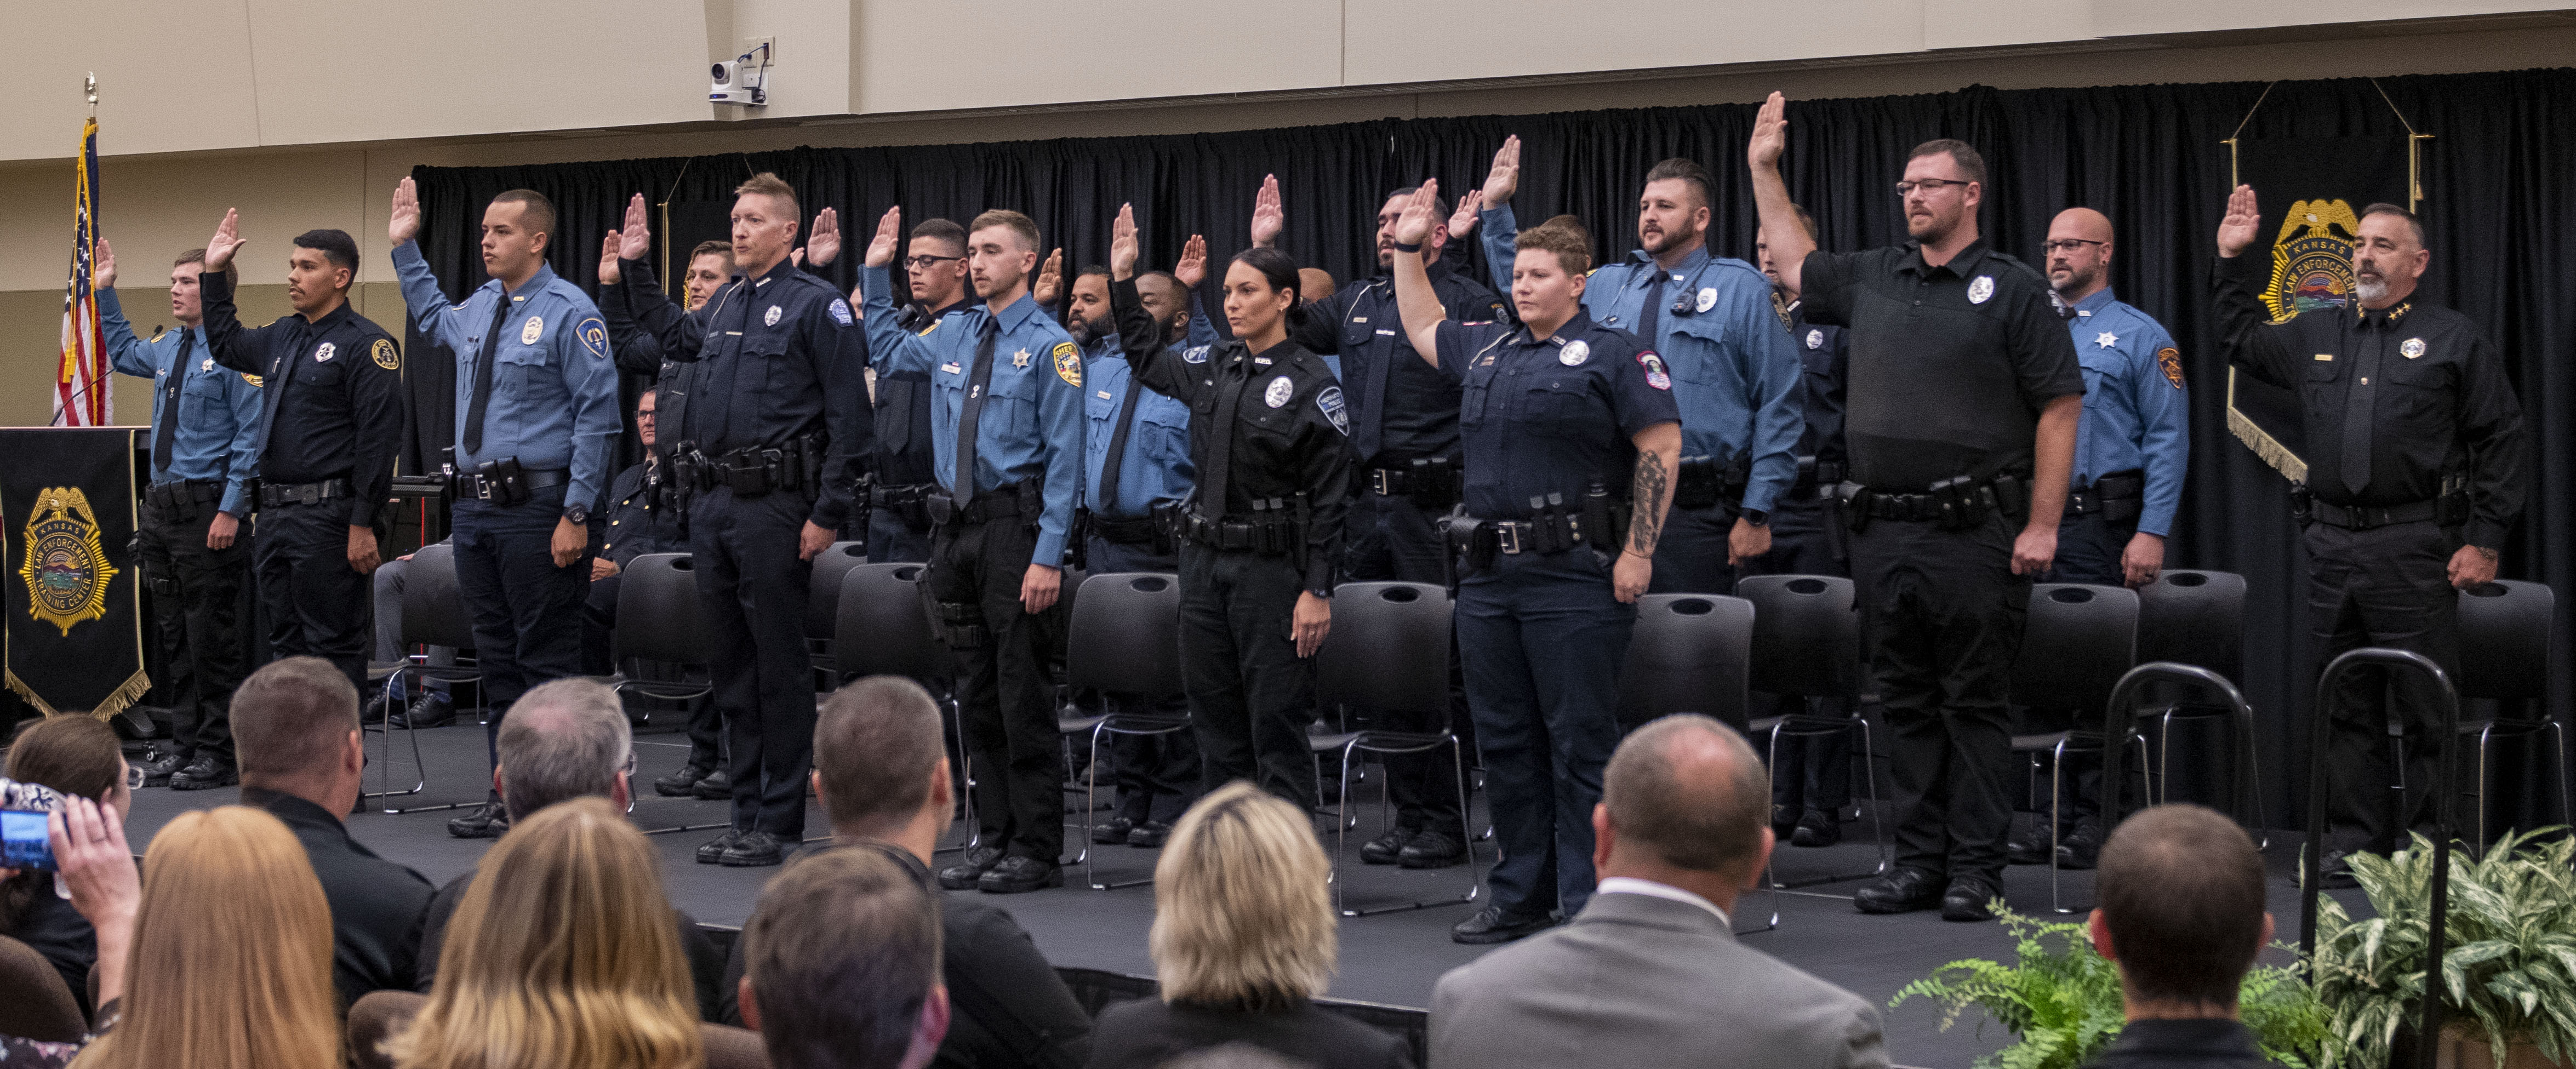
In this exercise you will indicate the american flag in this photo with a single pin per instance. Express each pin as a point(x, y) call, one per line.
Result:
point(80, 388)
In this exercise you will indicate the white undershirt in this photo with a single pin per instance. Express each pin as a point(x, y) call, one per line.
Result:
point(1630, 885)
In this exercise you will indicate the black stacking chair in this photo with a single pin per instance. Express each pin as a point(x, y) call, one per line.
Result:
point(1389, 650)
point(1692, 653)
point(823, 597)
point(434, 614)
point(1125, 639)
point(1806, 644)
point(661, 618)
point(2197, 618)
point(2077, 642)
point(2505, 641)
point(882, 627)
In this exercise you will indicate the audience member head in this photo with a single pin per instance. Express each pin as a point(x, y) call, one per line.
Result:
point(1001, 250)
point(1087, 308)
point(2388, 255)
point(764, 223)
point(936, 264)
point(187, 305)
point(648, 403)
point(1392, 210)
point(563, 955)
point(1260, 295)
point(1673, 209)
point(841, 964)
point(710, 267)
point(564, 739)
point(1165, 300)
point(319, 271)
point(1315, 285)
point(77, 756)
point(881, 764)
point(1548, 277)
point(295, 723)
point(231, 967)
point(1243, 918)
point(1685, 803)
point(1945, 180)
point(1762, 249)
point(2180, 889)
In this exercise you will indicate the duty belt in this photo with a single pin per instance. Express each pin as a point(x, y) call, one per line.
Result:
point(1266, 534)
point(1954, 504)
point(1538, 536)
point(2119, 497)
point(998, 503)
point(1816, 478)
point(1137, 531)
point(902, 496)
point(170, 495)
point(272, 495)
point(490, 485)
point(2365, 517)
point(1432, 482)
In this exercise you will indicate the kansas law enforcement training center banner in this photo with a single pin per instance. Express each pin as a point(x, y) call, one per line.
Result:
point(74, 640)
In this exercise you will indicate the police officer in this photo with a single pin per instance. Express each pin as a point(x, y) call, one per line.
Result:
point(1007, 429)
point(1404, 438)
point(331, 419)
point(2131, 449)
point(1712, 321)
point(1810, 774)
point(638, 345)
point(204, 421)
point(536, 403)
point(898, 520)
point(2406, 498)
point(1964, 396)
point(768, 460)
point(1572, 442)
point(642, 516)
point(1135, 461)
point(1261, 534)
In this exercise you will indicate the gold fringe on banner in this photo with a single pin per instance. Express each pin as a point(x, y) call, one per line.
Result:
point(126, 694)
point(2260, 441)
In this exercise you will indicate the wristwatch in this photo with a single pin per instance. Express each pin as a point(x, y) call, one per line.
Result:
point(578, 514)
point(1756, 517)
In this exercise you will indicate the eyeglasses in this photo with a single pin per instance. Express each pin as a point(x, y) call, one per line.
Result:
point(2067, 245)
point(643, 413)
point(924, 263)
point(1928, 185)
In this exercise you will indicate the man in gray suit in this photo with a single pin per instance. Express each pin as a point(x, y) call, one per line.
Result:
point(1649, 973)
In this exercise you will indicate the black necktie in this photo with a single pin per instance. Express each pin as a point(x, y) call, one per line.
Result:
point(1118, 445)
point(165, 435)
point(1368, 412)
point(1652, 319)
point(1231, 382)
point(483, 377)
point(979, 381)
point(2357, 408)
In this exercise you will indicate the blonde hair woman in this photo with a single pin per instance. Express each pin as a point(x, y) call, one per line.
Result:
point(231, 967)
point(562, 956)
point(1244, 940)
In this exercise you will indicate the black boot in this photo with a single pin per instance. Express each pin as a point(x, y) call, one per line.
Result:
point(490, 820)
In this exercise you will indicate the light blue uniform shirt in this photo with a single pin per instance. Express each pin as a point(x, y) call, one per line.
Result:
point(2137, 412)
point(1031, 425)
point(1735, 371)
point(554, 387)
point(1157, 466)
point(218, 432)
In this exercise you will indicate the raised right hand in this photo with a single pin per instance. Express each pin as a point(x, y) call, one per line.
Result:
point(889, 236)
point(1050, 283)
point(227, 240)
point(102, 273)
point(635, 237)
point(1770, 134)
point(608, 247)
point(1192, 268)
point(1268, 218)
point(1505, 177)
point(1123, 243)
point(1415, 224)
point(2243, 223)
point(404, 224)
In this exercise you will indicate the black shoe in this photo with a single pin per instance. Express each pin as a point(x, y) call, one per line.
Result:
point(159, 766)
point(1112, 831)
point(1433, 848)
point(1817, 828)
point(1018, 874)
point(426, 711)
point(1492, 925)
point(962, 875)
point(712, 851)
point(2081, 847)
point(1903, 891)
point(1967, 899)
point(679, 784)
point(2029, 844)
point(755, 849)
point(204, 773)
point(488, 821)
point(716, 787)
point(1150, 834)
point(375, 710)
point(1784, 820)
point(1388, 849)
point(2335, 872)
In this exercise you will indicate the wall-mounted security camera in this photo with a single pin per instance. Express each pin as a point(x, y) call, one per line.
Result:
point(742, 81)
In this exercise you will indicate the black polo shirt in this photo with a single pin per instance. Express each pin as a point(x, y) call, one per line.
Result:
point(1402, 408)
point(331, 395)
point(376, 905)
point(1950, 365)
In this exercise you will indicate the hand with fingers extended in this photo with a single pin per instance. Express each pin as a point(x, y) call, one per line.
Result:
point(1268, 217)
point(1504, 178)
point(1463, 221)
point(102, 272)
point(1414, 225)
point(1123, 244)
point(608, 275)
point(2242, 224)
point(824, 245)
point(404, 225)
point(97, 867)
point(881, 249)
point(227, 241)
point(634, 236)
point(1192, 268)
point(1770, 134)
point(1050, 283)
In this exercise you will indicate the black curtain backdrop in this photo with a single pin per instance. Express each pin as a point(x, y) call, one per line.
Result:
point(2499, 177)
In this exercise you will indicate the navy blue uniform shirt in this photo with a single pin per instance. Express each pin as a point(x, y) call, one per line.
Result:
point(1552, 415)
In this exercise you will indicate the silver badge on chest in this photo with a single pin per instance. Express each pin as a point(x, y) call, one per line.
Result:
point(1981, 289)
point(1279, 391)
point(533, 329)
point(1707, 298)
point(770, 319)
point(2413, 348)
point(1815, 338)
point(1574, 354)
point(323, 355)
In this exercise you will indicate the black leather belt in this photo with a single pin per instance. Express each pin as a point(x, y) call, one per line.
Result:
point(1536, 536)
point(1816, 478)
point(2119, 497)
point(166, 495)
point(1267, 537)
point(2365, 517)
point(272, 495)
point(1001, 502)
point(1135, 531)
point(887, 497)
point(478, 486)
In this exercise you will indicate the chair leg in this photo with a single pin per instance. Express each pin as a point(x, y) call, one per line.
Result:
point(1341, 825)
point(2558, 751)
point(1877, 827)
point(965, 778)
point(2056, 794)
point(2479, 788)
point(393, 689)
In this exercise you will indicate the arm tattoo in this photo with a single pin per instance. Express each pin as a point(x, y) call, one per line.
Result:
point(1648, 492)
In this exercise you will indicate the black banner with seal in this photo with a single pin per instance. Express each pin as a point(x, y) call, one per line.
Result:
point(74, 636)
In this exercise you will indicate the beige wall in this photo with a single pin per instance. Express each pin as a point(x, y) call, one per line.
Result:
point(31, 332)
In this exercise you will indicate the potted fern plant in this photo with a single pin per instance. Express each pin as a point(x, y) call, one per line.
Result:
point(2508, 970)
point(2061, 1000)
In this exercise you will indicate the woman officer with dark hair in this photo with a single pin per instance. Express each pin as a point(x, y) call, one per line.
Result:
point(1261, 536)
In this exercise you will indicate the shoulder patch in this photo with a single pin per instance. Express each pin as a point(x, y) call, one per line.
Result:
point(1068, 363)
point(253, 380)
point(1656, 376)
point(841, 312)
point(593, 335)
point(2169, 360)
point(1780, 307)
point(1196, 354)
point(385, 355)
point(1329, 402)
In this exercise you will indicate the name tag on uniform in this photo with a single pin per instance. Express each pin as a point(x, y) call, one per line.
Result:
point(1384, 333)
point(2325, 356)
point(948, 368)
point(1104, 395)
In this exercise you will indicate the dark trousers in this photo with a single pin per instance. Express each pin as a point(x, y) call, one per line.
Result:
point(1811, 771)
point(1543, 638)
point(599, 626)
point(1399, 542)
point(2384, 587)
point(526, 612)
point(892, 541)
point(1004, 695)
point(2088, 551)
point(1691, 557)
point(1942, 615)
point(1251, 696)
point(196, 614)
point(315, 602)
point(1157, 775)
point(753, 584)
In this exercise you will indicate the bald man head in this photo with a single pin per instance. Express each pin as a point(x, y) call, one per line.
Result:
point(2079, 253)
point(1684, 803)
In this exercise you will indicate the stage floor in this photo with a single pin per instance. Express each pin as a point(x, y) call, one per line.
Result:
point(1391, 958)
